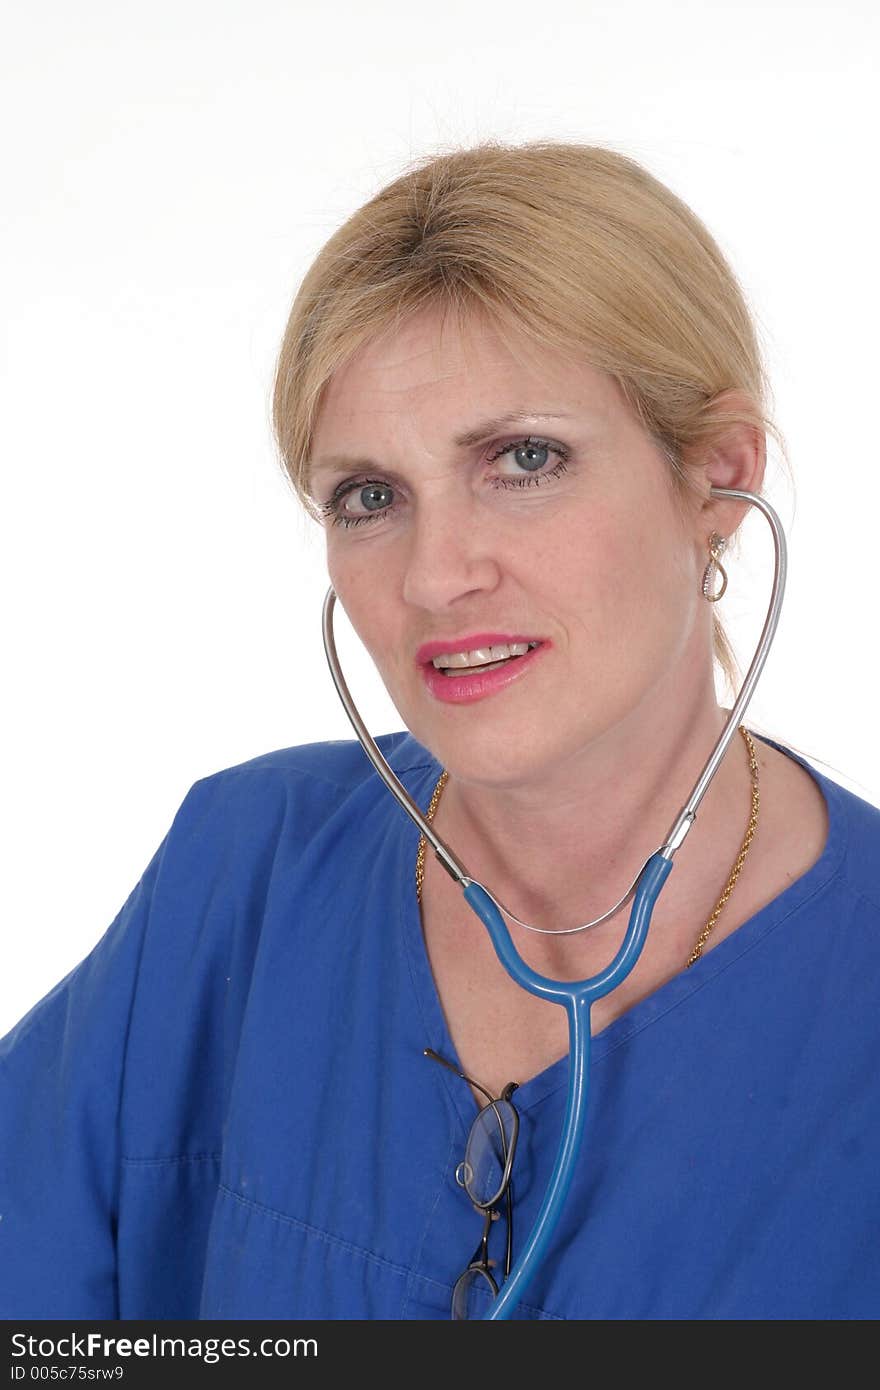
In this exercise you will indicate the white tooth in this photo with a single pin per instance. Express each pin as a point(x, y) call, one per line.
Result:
point(482, 656)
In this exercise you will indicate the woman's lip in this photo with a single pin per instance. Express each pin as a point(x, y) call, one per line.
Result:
point(429, 650)
point(464, 688)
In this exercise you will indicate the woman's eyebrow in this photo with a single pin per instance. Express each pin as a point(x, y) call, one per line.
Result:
point(477, 433)
point(485, 428)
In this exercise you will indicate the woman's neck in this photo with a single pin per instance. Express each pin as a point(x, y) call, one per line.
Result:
point(562, 849)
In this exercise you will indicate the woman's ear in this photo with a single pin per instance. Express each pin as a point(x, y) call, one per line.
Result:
point(736, 459)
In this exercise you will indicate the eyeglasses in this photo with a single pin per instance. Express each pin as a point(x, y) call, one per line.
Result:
point(484, 1173)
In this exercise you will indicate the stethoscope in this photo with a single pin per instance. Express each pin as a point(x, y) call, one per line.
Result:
point(576, 997)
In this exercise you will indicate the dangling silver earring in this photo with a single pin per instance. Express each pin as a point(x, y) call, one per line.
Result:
point(716, 546)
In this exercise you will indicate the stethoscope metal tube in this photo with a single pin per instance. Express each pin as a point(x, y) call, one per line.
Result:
point(576, 997)
point(688, 812)
point(446, 858)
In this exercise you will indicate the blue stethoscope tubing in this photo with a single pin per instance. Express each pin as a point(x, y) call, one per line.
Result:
point(577, 996)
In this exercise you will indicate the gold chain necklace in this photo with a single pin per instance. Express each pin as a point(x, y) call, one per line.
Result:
point(728, 887)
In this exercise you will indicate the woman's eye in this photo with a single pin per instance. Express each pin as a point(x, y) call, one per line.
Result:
point(373, 495)
point(528, 459)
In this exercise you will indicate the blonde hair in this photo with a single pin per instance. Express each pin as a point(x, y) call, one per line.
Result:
point(576, 247)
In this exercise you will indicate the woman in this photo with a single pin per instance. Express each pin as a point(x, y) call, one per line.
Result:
point(506, 388)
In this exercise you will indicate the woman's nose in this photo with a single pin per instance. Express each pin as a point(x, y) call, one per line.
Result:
point(450, 553)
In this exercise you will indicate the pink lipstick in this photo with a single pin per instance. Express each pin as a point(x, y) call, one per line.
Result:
point(466, 684)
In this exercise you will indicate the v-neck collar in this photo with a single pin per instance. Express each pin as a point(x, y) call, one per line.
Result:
point(422, 779)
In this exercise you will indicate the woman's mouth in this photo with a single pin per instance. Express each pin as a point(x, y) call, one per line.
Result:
point(460, 677)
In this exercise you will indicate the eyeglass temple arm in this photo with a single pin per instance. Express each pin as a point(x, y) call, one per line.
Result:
point(435, 1057)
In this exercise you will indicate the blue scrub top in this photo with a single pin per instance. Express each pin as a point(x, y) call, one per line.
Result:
point(225, 1112)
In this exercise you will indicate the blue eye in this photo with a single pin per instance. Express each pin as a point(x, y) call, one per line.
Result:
point(530, 447)
point(371, 496)
point(371, 491)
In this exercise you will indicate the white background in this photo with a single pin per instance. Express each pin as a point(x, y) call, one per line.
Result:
point(167, 174)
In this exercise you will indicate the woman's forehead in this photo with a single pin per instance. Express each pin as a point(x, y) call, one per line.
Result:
point(475, 374)
point(427, 346)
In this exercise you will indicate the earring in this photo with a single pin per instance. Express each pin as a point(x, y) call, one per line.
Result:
point(716, 546)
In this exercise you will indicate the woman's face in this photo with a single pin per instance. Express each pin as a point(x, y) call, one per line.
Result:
point(570, 537)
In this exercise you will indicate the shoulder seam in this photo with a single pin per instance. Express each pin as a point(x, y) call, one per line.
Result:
point(241, 770)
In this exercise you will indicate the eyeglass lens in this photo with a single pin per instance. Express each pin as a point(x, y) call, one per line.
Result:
point(472, 1294)
point(485, 1172)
